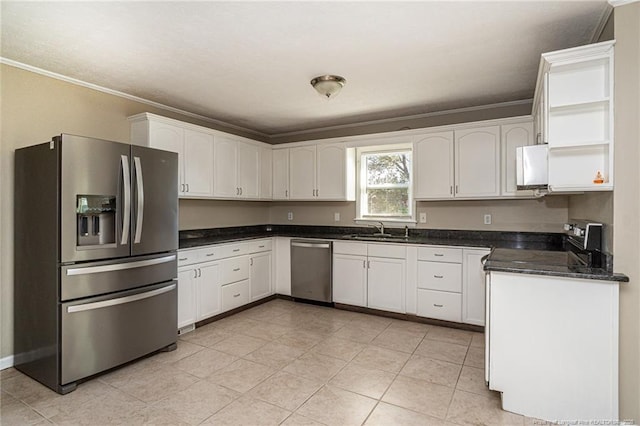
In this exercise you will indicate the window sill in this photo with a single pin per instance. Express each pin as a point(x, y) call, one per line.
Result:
point(391, 223)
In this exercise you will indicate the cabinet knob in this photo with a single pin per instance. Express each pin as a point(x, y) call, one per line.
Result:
point(236, 295)
point(438, 276)
point(236, 269)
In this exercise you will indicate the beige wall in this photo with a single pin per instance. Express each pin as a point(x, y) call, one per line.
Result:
point(542, 215)
point(626, 201)
point(202, 214)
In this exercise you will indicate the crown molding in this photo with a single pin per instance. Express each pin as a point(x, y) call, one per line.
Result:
point(602, 22)
point(402, 118)
point(102, 89)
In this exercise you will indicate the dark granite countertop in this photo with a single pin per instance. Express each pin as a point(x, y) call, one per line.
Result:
point(545, 262)
point(488, 239)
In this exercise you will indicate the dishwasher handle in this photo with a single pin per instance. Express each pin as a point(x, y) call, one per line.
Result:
point(311, 245)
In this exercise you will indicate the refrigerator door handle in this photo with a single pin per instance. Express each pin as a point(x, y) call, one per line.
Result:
point(126, 217)
point(120, 266)
point(120, 300)
point(140, 191)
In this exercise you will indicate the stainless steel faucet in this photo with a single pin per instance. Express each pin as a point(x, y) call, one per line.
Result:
point(380, 227)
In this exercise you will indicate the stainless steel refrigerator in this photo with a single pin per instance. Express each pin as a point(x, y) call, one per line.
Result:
point(96, 234)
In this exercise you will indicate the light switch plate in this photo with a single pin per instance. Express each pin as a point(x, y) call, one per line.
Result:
point(487, 219)
point(290, 216)
point(423, 217)
point(336, 216)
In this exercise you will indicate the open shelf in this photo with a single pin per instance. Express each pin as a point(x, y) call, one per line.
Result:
point(579, 82)
point(576, 105)
point(580, 124)
point(558, 145)
point(576, 167)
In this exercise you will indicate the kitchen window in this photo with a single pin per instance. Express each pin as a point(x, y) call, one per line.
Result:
point(385, 184)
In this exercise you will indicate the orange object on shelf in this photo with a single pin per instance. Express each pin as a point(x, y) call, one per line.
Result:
point(599, 178)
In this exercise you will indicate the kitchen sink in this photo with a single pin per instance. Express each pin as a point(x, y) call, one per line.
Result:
point(376, 237)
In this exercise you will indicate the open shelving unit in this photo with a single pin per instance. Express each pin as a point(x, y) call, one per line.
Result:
point(578, 115)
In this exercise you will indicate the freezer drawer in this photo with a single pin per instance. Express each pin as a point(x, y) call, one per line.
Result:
point(97, 278)
point(103, 332)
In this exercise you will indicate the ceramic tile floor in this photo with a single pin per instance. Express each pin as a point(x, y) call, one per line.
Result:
point(283, 363)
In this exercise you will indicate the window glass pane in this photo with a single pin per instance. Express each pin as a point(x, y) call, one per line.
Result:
point(388, 202)
point(388, 168)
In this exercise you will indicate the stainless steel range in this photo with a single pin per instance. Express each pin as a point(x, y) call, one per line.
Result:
point(96, 231)
point(585, 243)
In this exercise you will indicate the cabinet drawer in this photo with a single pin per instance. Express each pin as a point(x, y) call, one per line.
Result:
point(189, 257)
point(387, 250)
point(440, 305)
point(440, 276)
point(236, 249)
point(440, 254)
point(234, 295)
point(259, 245)
point(355, 249)
point(234, 269)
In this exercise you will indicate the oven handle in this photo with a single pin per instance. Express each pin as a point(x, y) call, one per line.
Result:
point(120, 300)
point(120, 266)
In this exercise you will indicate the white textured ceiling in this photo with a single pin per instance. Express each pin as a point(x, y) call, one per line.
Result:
point(250, 63)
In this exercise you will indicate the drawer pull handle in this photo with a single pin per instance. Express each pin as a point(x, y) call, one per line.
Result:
point(236, 295)
point(210, 254)
point(236, 270)
point(438, 254)
point(236, 250)
point(438, 276)
point(182, 258)
point(260, 246)
point(437, 306)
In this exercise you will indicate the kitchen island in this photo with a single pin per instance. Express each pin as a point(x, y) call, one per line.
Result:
point(552, 335)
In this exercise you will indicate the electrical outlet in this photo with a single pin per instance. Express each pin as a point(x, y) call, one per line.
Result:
point(336, 216)
point(423, 217)
point(290, 216)
point(487, 219)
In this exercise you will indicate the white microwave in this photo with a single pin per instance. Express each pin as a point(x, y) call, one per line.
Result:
point(532, 166)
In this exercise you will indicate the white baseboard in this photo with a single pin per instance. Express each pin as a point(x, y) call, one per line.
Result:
point(6, 362)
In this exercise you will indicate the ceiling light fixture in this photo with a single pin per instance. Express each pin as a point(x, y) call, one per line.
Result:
point(328, 85)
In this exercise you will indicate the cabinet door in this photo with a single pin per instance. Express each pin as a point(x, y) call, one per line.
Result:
point(208, 291)
point(350, 279)
point(198, 163)
point(260, 275)
point(385, 287)
point(280, 174)
point(225, 160)
point(433, 166)
point(186, 297)
point(477, 155)
point(331, 172)
point(514, 136)
point(169, 138)
point(266, 173)
point(302, 173)
point(248, 170)
point(473, 287)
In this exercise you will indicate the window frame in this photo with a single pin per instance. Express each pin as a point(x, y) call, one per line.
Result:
point(361, 186)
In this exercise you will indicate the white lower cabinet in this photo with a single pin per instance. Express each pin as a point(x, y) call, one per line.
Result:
point(220, 277)
point(440, 305)
point(370, 281)
point(350, 279)
point(260, 275)
point(385, 284)
point(473, 287)
point(186, 297)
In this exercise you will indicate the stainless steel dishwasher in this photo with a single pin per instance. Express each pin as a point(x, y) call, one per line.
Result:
point(311, 270)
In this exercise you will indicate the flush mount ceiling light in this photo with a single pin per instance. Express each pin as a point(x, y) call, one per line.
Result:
point(328, 85)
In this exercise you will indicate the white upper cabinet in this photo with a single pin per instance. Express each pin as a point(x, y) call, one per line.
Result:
point(575, 92)
point(302, 173)
point(248, 170)
point(477, 162)
point(195, 154)
point(280, 174)
point(225, 166)
point(237, 169)
point(331, 172)
point(319, 172)
point(433, 166)
point(514, 136)
point(266, 173)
